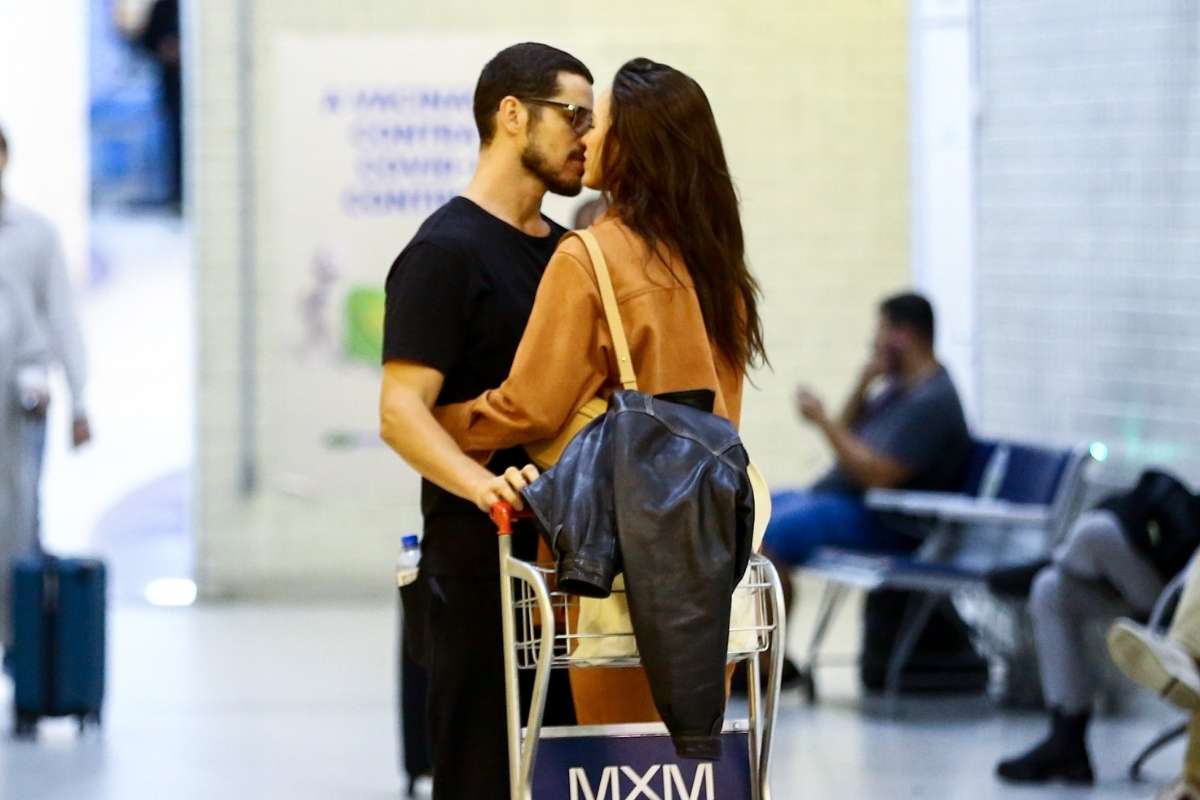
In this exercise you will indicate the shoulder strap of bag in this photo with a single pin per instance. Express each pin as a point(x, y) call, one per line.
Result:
point(611, 312)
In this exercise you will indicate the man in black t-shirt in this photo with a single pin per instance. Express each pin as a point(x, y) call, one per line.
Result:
point(458, 298)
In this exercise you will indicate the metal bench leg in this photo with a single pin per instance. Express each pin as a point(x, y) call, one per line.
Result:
point(1164, 739)
point(916, 616)
point(831, 599)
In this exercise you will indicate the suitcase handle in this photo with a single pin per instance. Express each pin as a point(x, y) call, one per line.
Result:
point(51, 593)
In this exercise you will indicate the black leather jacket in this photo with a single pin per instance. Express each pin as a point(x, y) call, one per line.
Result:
point(658, 490)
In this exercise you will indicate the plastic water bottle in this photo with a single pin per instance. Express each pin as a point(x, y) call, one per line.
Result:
point(993, 476)
point(409, 561)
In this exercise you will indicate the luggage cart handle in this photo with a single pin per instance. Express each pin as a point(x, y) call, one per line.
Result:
point(503, 515)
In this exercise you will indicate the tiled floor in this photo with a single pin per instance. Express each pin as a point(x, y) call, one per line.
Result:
point(298, 703)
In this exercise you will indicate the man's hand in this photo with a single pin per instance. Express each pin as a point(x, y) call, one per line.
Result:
point(874, 368)
point(811, 407)
point(168, 51)
point(505, 487)
point(81, 432)
point(36, 404)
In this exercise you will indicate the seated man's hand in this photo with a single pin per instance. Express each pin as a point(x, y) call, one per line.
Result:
point(81, 432)
point(506, 487)
point(810, 406)
point(876, 367)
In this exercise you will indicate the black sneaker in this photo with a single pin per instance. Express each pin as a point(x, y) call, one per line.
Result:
point(1044, 763)
point(1062, 755)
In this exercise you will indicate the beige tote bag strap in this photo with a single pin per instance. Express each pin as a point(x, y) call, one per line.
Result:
point(611, 312)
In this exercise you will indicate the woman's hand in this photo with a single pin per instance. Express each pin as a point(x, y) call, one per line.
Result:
point(506, 487)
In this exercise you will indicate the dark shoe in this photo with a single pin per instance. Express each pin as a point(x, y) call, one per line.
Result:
point(1060, 756)
point(1015, 581)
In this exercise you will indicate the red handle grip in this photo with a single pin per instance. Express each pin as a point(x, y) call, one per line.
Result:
point(503, 514)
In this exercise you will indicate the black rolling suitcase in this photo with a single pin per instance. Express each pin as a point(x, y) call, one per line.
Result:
point(59, 615)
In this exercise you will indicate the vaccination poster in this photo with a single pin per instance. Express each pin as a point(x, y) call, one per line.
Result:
point(365, 137)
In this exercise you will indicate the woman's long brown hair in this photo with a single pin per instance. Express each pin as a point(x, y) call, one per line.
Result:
point(664, 168)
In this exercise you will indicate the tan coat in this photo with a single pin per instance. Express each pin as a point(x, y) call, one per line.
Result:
point(566, 358)
point(566, 355)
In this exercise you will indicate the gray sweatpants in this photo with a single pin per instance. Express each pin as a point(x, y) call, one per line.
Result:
point(1096, 575)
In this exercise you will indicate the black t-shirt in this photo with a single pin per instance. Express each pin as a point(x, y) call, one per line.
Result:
point(458, 299)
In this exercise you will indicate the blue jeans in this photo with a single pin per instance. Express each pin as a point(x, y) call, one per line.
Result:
point(802, 521)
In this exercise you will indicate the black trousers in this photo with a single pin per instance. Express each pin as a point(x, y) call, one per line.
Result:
point(453, 625)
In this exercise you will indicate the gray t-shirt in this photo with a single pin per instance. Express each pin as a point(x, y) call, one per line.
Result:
point(923, 428)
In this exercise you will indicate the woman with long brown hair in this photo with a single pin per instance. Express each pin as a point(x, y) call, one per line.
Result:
point(672, 238)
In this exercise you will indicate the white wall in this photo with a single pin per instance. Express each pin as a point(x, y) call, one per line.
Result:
point(943, 180)
point(1089, 252)
point(44, 111)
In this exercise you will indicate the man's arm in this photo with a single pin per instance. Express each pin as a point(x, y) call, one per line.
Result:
point(406, 423)
point(866, 466)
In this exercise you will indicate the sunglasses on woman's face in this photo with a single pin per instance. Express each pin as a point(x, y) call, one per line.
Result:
point(579, 117)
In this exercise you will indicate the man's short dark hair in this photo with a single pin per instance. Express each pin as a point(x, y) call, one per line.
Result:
point(523, 70)
point(910, 310)
point(3, 142)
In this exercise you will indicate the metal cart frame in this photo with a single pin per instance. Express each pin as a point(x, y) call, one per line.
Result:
point(535, 639)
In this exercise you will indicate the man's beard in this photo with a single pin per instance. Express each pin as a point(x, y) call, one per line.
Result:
point(533, 160)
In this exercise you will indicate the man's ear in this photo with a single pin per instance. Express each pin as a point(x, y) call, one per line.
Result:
point(512, 116)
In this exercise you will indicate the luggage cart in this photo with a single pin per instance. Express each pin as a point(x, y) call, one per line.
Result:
point(619, 761)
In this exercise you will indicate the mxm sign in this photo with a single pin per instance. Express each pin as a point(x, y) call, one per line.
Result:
point(660, 782)
point(638, 767)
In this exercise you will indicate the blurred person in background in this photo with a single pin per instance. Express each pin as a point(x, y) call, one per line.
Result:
point(589, 212)
point(23, 392)
point(903, 427)
point(1116, 558)
point(1169, 666)
point(31, 258)
point(458, 299)
point(160, 39)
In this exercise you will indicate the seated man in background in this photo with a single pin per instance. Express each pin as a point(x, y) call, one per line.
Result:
point(1170, 666)
point(903, 427)
point(1115, 559)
